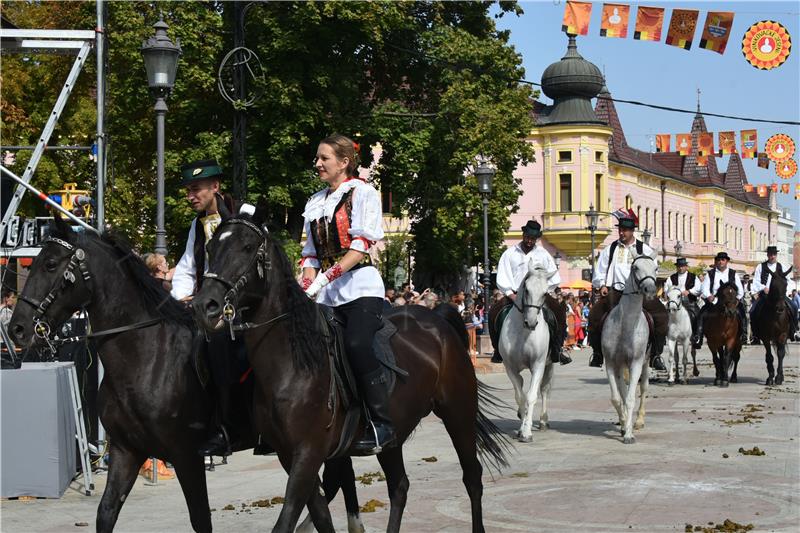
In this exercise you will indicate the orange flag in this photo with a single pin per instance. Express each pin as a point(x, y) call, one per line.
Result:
point(716, 31)
point(705, 143)
point(615, 20)
point(662, 142)
point(797, 192)
point(576, 18)
point(762, 191)
point(763, 160)
point(727, 143)
point(749, 144)
point(785, 188)
point(774, 187)
point(748, 187)
point(649, 21)
point(683, 142)
point(702, 160)
point(681, 28)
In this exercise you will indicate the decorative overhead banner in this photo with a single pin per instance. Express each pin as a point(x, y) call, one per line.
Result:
point(763, 160)
point(683, 142)
point(766, 45)
point(615, 20)
point(762, 191)
point(749, 144)
point(576, 18)
point(649, 21)
point(748, 187)
point(797, 192)
point(705, 143)
point(774, 187)
point(662, 142)
point(702, 160)
point(717, 31)
point(727, 143)
point(786, 169)
point(779, 147)
point(681, 28)
point(785, 187)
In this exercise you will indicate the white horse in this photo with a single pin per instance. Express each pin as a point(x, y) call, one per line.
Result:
point(524, 343)
point(679, 335)
point(625, 345)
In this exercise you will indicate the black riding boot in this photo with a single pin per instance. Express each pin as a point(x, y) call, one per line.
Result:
point(218, 444)
point(697, 338)
point(597, 351)
point(741, 314)
point(655, 353)
point(380, 434)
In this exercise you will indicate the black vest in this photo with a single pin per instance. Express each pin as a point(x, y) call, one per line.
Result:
point(765, 271)
point(690, 278)
point(332, 239)
point(199, 254)
point(713, 272)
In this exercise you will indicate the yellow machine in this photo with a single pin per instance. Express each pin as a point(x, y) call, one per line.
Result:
point(70, 198)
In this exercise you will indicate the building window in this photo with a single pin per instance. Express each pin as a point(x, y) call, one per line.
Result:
point(628, 202)
point(598, 197)
point(705, 232)
point(386, 201)
point(677, 225)
point(565, 156)
point(639, 214)
point(669, 225)
point(598, 156)
point(655, 223)
point(683, 228)
point(752, 238)
point(716, 230)
point(647, 217)
point(565, 189)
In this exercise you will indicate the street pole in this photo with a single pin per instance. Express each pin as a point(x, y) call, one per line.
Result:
point(239, 114)
point(100, 138)
point(591, 255)
point(486, 272)
point(161, 234)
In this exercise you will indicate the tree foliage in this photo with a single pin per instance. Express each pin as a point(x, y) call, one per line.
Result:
point(432, 82)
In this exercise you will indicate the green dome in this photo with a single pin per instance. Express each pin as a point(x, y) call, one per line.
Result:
point(572, 83)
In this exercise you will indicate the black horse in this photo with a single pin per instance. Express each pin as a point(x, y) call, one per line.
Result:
point(772, 324)
point(248, 270)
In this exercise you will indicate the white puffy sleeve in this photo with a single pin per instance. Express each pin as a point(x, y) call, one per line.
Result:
point(554, 278)
point(756, 285)
point(705, 288)
point(366, 226)
point(183, 280)
point(505, 273)
point(601, 269)
point(739, 287)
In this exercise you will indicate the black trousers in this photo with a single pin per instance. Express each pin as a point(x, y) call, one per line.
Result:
point(362, 318)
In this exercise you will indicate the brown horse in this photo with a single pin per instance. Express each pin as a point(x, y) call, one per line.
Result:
point(296, 407)
point(722, 332)
point(772, 324)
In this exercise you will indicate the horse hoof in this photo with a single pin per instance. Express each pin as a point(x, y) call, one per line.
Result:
point(695, 372)
point(670, 383)
point(723, 384)
point(637, 426)
point(779, 379)
point(519, 415)
point(770, 382)
point(544, 426)
point(683, 381)
point(734, 379)
point(529, 438)
point(716, 382)
point(629, 440)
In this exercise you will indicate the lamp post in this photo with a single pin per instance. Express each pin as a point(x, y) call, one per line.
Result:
point(484, 174)
point(678, 249)
point(591, 219)
point(646, 236)
point(160, 61)
point(557, 259)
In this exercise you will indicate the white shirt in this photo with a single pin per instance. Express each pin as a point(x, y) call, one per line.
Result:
point(695, 290)
point(183, 280)
point(616, 275)
point(720, 277)
point(756, 285)
point(366, 222)
point(513, 267)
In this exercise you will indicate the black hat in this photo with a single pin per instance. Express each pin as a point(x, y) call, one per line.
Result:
point(532, 228)
point(200, 170)
point(682, 262)
point(772, 250)
point(722, 255)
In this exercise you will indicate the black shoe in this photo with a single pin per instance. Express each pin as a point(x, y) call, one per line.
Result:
point(597, 360)
point(564, 359)
point(367, 445)
point(218, 445)
point(658, 363)
point(496, 357)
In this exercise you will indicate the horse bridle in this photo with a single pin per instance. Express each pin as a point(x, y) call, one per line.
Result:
point(677, 305)
point(77, 260)
point(637, 280)
point(521, 308)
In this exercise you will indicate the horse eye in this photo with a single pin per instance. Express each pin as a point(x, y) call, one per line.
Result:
point(51, 265)
point(248, 247)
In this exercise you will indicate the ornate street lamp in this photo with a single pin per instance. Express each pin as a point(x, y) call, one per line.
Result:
point(646, 236)
point(484, 174)
point(557, 259)
point(161, 62)
point(591, 220)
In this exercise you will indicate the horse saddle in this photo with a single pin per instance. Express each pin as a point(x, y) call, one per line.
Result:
point(648, 318)
point(344, 384)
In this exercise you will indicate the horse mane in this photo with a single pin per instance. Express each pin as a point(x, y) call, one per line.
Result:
point(155, 298)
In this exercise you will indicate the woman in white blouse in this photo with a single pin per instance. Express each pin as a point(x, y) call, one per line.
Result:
point(342, 222)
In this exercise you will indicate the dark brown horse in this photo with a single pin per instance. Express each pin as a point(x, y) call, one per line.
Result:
point(248, 271)
point(772, 324)
point(722, 332)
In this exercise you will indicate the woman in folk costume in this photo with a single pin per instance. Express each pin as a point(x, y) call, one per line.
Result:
point(342, 222)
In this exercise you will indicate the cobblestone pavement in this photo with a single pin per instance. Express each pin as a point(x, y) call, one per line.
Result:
point(685, 468)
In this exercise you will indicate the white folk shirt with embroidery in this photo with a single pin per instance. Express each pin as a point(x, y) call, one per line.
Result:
point(756, 286)
point(720, 277)
point(366, 222)
point(616, 275)
point(183, 280)
point(513, 267)
point(695, 290)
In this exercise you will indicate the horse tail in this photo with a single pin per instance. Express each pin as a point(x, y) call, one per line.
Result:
point(493, 444)
point(450, 314)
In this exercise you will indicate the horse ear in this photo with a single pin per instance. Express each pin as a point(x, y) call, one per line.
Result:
point(260, 215)
point(60, 228)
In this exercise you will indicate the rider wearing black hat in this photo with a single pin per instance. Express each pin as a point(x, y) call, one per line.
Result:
point(762, 279)
point(714, 278)
point(689, 286)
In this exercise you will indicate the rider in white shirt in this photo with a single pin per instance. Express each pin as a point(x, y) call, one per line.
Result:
point(511, 270)
point(690, 288)
point(714, 278)
point(762, 279)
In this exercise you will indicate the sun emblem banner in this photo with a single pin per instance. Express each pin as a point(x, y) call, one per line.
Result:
point(702, 160)
point(662, 142)
point(785, 187)
point(649, 22)
point(748, 187)
point(762, 191)
point(786, 169)
point(683, 142)
point(763, 160)
point(797, 192)
point(615, 20)
point(766, 45)
point(779, 147)
point(681, 28)
point(576, 18)
point(749, 144)
point(705, 143)
point(727, 143)
point(717, 31)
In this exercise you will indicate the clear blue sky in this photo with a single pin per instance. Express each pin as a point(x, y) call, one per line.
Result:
point(654, 72)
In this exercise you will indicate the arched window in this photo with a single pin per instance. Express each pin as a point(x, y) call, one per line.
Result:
point(628, 202)
point(656, 223)
point(647, 217)
point(691, 229)
point(683, 228)
point(752, 238)
point(669, 225)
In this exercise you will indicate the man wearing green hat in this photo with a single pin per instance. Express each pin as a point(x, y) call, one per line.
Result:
point(762, 279)
point(202, 181)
